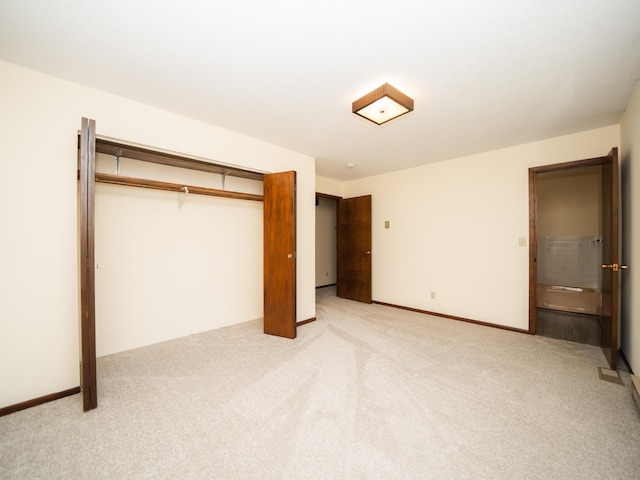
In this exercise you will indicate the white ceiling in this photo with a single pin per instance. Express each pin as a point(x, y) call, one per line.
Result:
point(483, 74)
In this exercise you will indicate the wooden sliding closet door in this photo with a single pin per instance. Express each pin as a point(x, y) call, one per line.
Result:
point(87, 262)
point(280, 254)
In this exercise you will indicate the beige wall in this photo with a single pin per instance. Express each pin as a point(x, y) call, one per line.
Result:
point(569, 202)
point(329, 186)
point(630, 183)
point(39, 120)
point(455, 228)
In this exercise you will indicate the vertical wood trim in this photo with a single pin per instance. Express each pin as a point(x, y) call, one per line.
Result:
point(610, 348)
point(87, 261)
point(533, 249)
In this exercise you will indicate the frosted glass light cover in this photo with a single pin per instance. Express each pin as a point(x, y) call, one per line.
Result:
point(382, 110)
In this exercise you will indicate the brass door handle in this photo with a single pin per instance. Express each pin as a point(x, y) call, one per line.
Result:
point(615, 267)
point(368, 252)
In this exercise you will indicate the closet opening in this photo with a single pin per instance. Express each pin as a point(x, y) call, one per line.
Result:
point(199, 248)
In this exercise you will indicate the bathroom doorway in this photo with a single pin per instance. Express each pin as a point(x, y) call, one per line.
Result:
point(569, 254)
point(573, 286)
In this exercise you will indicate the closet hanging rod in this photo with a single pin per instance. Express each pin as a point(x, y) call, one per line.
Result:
point(173, 187)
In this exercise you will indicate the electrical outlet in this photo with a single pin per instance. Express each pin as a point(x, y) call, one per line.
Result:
point(522, 241)
point(433, 295)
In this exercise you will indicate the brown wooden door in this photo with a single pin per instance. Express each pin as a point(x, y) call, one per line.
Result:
point(280, 254)
point(87, 262)
point(610, 258)
point(354, 249)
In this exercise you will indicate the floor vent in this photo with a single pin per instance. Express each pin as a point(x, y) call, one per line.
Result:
point(612, 376)
point(635, 390)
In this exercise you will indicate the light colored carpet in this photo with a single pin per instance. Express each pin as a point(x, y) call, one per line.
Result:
point(366, 391)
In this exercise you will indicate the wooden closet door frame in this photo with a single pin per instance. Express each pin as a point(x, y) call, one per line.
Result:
point(88, 381)
point(87, 178)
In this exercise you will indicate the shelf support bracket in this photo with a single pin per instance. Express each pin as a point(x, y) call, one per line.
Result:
point(118, 162)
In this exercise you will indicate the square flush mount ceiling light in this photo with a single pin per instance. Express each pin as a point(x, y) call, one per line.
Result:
point(383, 104)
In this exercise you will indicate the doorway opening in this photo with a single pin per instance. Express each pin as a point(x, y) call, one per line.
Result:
point(569, 254)
point(343, 243)
point(326, 240)
point(573, 252)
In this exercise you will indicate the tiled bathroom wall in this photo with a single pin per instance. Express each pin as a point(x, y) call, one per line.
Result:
point(570, 261)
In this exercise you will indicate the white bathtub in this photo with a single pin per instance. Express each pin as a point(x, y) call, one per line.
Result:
point(569, 299)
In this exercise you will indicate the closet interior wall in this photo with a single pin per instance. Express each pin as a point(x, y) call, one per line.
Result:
point(173, 263)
